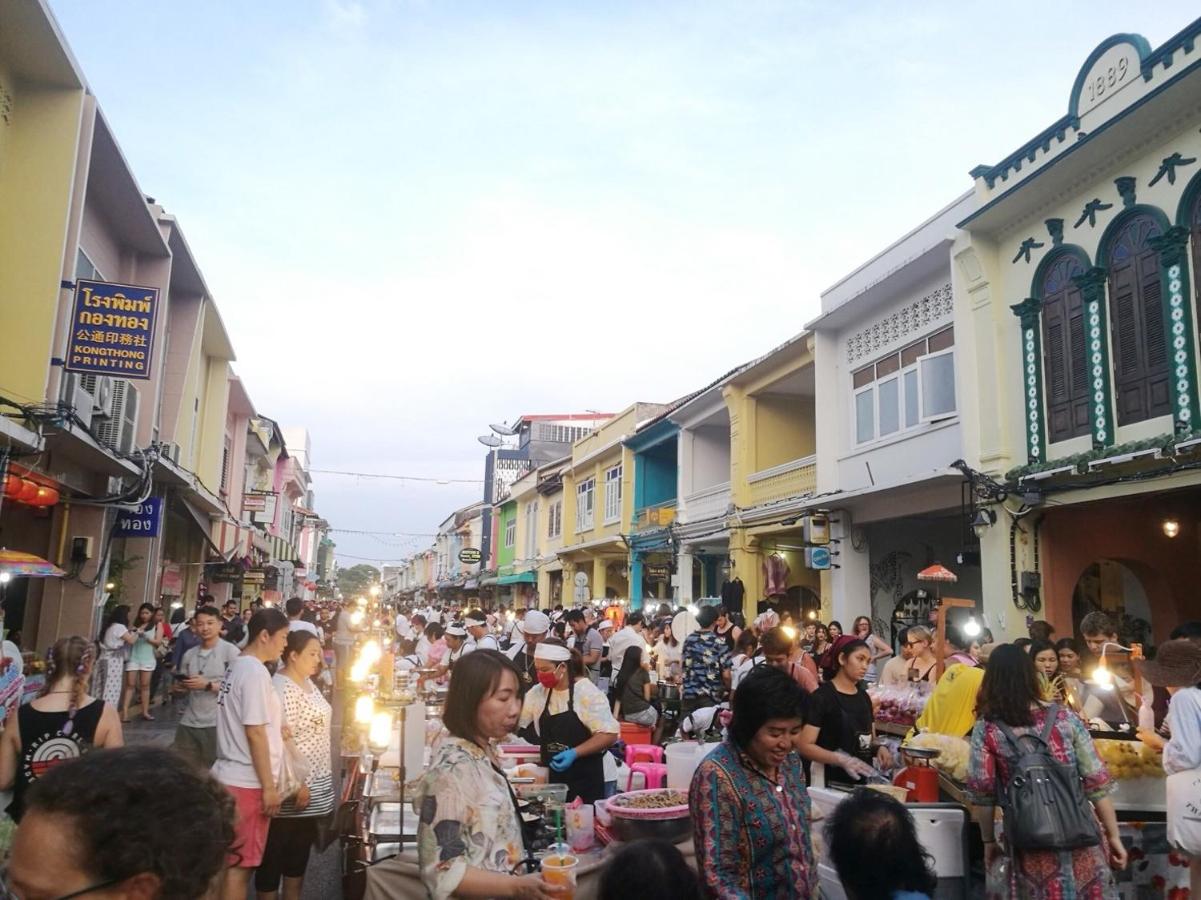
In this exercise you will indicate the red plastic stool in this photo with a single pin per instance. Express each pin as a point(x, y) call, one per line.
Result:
point(648, 753)
point(654, 773)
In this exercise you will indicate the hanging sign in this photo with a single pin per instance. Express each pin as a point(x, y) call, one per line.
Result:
point(112, 329)
point(144, 520)
point(470, 556)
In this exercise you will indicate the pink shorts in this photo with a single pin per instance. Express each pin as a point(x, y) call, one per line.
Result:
point(250, 827)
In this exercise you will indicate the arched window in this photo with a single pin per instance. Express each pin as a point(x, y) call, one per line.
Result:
point(1065, 368)
point(1140, 359)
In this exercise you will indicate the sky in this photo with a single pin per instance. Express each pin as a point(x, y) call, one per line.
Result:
point(420, 217)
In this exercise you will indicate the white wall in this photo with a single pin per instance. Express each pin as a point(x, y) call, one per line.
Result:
point(710, 456)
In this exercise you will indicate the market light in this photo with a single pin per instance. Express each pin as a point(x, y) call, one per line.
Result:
point(356, 618)
point(109, 585)
point(358, 672)
point(364, 709)
point(5, 577)
point(1102, 677)
point(370, 653)
point(375, 590)
point(1171, 528)
point(789, 632)
point(971, 628)
point(812, 615)
point(693, 608)
point(379, 735)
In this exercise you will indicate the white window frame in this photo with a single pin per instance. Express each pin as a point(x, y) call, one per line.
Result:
point(879, 383)
point(554, 527)
point(922, 418)
point(510, 532)
point(859, 442)
point(942, 416)
point(585, 505)
point(613, 494)
point(531, 530)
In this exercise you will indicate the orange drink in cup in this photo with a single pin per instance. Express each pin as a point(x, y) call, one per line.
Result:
point(560, 870)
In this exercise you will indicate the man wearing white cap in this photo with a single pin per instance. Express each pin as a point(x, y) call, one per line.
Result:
point(533, 628)
point(476, 623)
point(456, 639)
point(570, 719)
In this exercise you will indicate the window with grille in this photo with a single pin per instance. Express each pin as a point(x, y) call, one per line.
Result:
point(510, 532)
point(1137, 329)
point(612, 495)
point(906, 389)
point(585, 505)
point(227, 458)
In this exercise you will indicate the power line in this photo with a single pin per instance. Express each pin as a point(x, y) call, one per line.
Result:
point(398, 477)
point(419, 534)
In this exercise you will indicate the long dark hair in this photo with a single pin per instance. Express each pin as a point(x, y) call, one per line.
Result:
point(630, 663)
point(119, 615)
point(137, 619)
point(1010, 687)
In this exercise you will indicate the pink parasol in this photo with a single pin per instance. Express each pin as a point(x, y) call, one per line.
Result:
point(937, 572)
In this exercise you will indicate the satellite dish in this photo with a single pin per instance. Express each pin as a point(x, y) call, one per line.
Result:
point(503, 430)
point(490, 440)
point(683, 625)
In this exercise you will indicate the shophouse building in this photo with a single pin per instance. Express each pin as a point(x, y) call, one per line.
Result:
point(1076, 278)
point(888, 408)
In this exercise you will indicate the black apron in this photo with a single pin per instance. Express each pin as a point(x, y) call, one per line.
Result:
point(586, 776)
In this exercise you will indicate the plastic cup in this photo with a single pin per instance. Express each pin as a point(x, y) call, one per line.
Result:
point(560, 870)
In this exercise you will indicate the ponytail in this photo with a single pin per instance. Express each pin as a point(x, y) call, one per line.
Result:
point(70, 654)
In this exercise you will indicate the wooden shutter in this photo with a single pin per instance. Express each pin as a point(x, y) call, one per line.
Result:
point(1065, 369)
point(1140, 361)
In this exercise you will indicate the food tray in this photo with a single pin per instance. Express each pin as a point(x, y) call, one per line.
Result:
point(616, 809)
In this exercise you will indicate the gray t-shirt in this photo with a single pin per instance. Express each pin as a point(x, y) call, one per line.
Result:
point(200, 710)
point(588, 643)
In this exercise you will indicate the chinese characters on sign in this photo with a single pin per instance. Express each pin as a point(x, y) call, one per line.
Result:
point(112, 329)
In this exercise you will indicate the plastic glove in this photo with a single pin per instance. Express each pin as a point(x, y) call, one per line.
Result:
point(852, 765)
point(562, 761)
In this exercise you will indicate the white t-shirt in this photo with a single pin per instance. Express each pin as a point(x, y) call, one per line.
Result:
point(621, 642)
point(423, 649)
point(113, 638)
point(246, 698)
point(402, 626)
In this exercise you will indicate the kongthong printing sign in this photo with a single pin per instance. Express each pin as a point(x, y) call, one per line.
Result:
point(112, 329)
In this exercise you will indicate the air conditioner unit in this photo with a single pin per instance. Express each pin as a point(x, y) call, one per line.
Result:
point(76, 395)
point(170, 450)
point(118, 429)
point(103, 394)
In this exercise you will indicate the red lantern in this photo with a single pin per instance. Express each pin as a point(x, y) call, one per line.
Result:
point(12, 487)
point(29, 490)
point(46, 496)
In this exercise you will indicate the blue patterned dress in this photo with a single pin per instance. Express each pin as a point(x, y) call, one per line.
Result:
point(752, 835)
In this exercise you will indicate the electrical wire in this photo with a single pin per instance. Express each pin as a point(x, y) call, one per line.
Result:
point(422, 478)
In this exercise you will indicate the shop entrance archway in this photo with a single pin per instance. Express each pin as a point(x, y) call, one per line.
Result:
point(1122, 588)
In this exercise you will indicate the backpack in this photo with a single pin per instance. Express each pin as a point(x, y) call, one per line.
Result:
point(1044, 805)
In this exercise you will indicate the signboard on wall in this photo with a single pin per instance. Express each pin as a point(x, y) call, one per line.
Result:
point(112, 329)
point(144, 520)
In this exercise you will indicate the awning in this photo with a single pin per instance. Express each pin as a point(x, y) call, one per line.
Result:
point(519, 578)
point(202, 522)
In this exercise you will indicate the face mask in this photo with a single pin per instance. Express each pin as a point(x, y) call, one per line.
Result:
point(547, 679)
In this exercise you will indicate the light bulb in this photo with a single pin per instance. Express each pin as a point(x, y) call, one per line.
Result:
point(5, 577)
point(364, 709)
point(789, 632)
point(370, 653)
point(358, 672)
point(379, 735)
point(356, 618)
point(1102, 677)
point(813, 615)
point(1171, 528)
point(971, 628)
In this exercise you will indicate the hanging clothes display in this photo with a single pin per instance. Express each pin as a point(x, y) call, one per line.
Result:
point(775, 575)
point(732, 594)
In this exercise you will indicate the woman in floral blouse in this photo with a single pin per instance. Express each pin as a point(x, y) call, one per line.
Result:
point(1010, 693)
point(469, 835)
point(750, 809)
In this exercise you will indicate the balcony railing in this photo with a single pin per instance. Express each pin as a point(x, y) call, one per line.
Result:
point(659, 516)
point(710, 503)
point(790, 479)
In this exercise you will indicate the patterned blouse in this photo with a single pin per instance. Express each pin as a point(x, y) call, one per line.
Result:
point(466, 818)
point(308, 714)
point(591, 706)
point(751, 835)
point(1046, 874)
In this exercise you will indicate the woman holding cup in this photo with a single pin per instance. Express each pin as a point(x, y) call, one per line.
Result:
point(469, 839)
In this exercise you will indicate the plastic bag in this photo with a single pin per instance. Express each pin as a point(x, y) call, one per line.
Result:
point(293, 771)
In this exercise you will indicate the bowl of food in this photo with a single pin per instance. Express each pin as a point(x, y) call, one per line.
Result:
point(658, 813)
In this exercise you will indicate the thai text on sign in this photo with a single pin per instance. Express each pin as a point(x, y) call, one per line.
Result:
point(112, 329)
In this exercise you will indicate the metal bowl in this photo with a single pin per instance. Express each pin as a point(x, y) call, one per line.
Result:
point(669, 691)
point(671, 830)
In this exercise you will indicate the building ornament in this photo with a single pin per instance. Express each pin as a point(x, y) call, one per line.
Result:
point(908, 319)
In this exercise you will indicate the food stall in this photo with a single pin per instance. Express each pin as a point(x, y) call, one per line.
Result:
point(391, 727)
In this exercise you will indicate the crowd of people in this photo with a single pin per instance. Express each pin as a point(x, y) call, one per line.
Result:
point(788, 699)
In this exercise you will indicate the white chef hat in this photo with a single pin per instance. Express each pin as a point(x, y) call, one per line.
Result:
point(552, 652)
point(604, 625)
point(456, 631)
point(536, 622)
